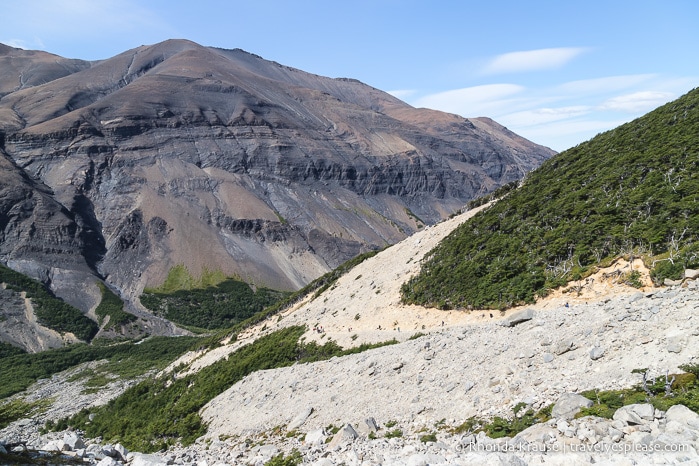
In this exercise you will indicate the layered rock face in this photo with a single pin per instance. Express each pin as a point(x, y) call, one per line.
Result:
point(220, 160)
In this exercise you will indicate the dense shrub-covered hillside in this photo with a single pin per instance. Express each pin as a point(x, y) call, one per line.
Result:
point(632, 190)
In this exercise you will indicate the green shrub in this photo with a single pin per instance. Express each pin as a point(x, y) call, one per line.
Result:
point(573, 214)
point(293, 459)
point(218, 306)
point(125, 359)
point(50, 311)
point(111, 305)
point(157, 413)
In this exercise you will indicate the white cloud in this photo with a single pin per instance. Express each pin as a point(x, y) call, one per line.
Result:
point(540, 116)
point(532, 60)
point(637, 102)
point(606, 84)
point(562, 135)
point(403, 93)
point(474, 101)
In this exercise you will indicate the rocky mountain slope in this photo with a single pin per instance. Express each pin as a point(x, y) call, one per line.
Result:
point(447, 367)
point(178, 154)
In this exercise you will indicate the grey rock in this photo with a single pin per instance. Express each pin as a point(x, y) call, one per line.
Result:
point(564, 346)
point(675, 344)
point(2, 450)
point(300, 418)
point(548, 357)
point(596, 353)
point(423, 459)
point(669, 282)
point(691, 274)
point(315, 437)
point(141, 459)
point(627, 415)
point(370, 423)
point(683, 415)
point(345, 435)
point(267, 451)
point(73, 441)
point(518, 317)
point(323, 462)
point(644, 410)
point(108, 461)
point(568, 405)
point(121, 450)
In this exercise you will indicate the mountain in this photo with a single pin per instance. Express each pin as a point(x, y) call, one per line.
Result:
point(218, 161)
point(628, 192)
point(600, 370)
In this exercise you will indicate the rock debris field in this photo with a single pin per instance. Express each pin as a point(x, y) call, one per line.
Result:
point(398, 404)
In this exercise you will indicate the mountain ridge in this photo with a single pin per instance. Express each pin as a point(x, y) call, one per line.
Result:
point(181, 155)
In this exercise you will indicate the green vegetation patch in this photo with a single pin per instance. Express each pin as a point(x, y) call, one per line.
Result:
point(180, 278)
point(662, 392)
point(11, 411)
point(500, 427)
point(629, 191)
point(111, 305)
point(159, 412)
point(9, 350)
point(217, 306)
point(125, 359)
point(317, 287)
point(50, 311)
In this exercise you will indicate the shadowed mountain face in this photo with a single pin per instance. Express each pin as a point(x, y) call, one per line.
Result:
point(220, 160)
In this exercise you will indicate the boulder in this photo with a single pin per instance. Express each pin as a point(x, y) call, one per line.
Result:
point(628, 415)
point(141, 459)
point(121, 450)
point(564, 346)
point(683, 415)
point(596, 353)
point(645, 411)
point(345, 435)
point(518, 317)
point(73, 441)
point(315, 437)
point(108, 461)
point(691, 274)
point(568, 405)
point(423, 459)
point(675, 344)
point(300, 418)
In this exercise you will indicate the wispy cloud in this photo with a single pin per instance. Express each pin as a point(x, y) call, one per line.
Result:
point(637, 102)
point(606, 84)
point(472, 101)
point(540, 116)
point(403, 93)
point(532, 60)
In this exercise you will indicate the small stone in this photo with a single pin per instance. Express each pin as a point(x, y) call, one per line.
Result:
point(568, 405)
point(518, 317)
point(596, 353)
point(300, 418)
point(548, 357)
point(675, 344)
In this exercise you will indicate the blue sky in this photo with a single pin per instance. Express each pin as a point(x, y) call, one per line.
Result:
point(557, 72)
